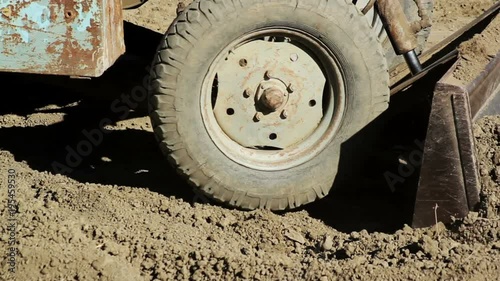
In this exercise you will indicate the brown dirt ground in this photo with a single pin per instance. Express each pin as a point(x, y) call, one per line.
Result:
point(451, 15)
point(476, 53)
point(122, 213)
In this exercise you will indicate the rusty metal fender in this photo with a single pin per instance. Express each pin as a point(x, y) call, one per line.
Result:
point(60, 37)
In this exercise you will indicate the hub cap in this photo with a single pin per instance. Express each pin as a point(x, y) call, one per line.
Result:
point(270, 105)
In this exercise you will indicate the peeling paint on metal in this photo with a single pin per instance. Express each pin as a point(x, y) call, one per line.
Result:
point(37, 14)
point(84, 21)
point(62, 37)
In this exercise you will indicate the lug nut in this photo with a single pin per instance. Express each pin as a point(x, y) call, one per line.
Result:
point(272, 98)
point(291, 88)
point(269, 74)
point(284, 114)
point(247, 93)
point(258, 116)
point(294, 57)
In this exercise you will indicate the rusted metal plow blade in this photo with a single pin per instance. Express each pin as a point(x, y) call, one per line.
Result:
point(449, 181)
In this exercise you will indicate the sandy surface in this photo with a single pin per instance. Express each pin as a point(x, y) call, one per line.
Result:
point(121, 213)
point(451, 15)
point(476, 53)
point(153, 15)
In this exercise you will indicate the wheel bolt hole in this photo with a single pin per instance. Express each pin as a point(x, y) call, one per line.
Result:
point(273, 136)
point(312, 103)
point(230, 111)
point(243, 62)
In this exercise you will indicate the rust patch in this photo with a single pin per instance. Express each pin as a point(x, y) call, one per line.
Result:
point(114, 29)
point(54, 10)
point(7, 11)
point(16, 38)
point(85, 6)
point(51, 49)
point(18, 6)
point(56, 43)
point(70, 12)
point(73, 51)
point(70, 15)
point(13, 10)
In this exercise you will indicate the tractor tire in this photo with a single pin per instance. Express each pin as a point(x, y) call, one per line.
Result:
point(412, 14)
point(251, 100)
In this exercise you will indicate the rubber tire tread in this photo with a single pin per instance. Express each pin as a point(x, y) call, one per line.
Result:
point(184, 37)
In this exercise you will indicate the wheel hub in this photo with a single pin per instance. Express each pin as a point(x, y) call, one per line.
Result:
point(272, 99)
point(269, 94)
point(272, 96)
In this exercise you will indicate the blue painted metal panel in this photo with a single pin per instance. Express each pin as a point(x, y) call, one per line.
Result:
point(61, 37)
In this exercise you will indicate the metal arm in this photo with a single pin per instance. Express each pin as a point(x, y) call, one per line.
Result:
point(400, 33)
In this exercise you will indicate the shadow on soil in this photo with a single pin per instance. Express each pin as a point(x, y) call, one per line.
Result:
point(378, 174)
point(130, 157)
point(377, 191)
